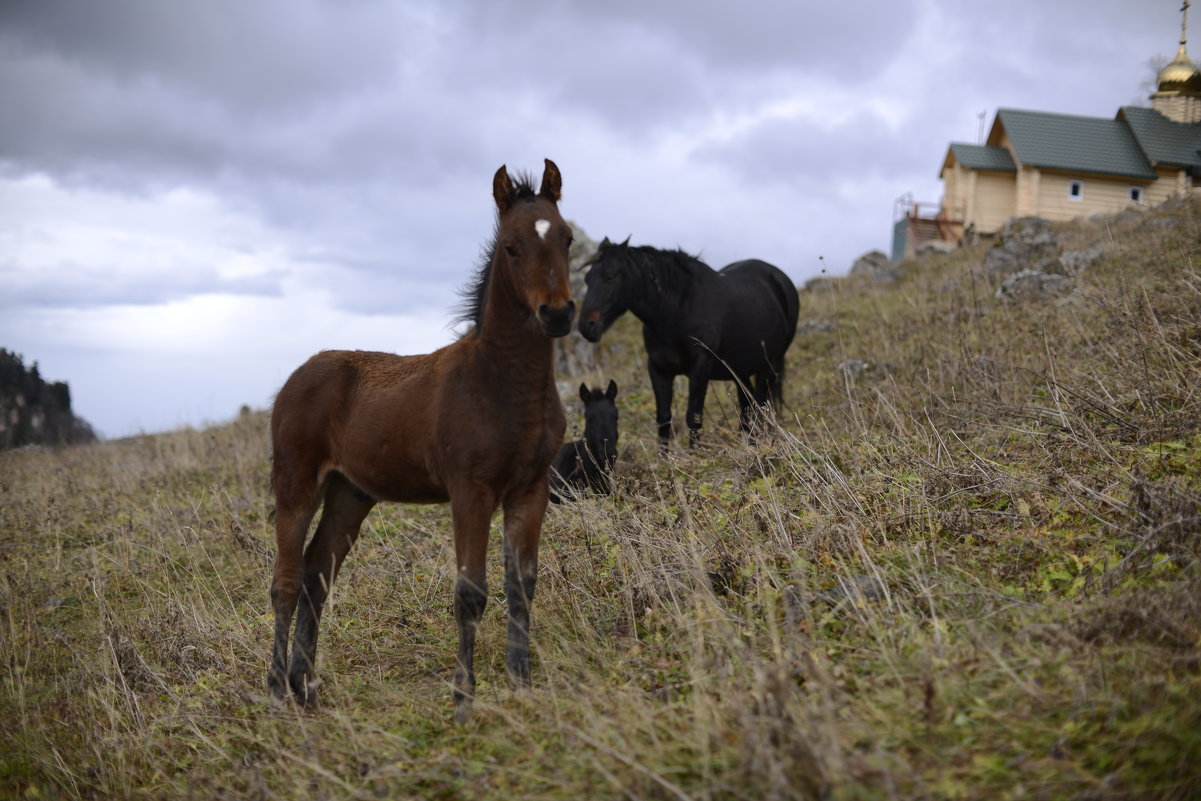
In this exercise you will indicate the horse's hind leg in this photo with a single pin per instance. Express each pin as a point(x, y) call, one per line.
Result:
point(295, 503)
point(773, 383)
point(341, 517)
point(761, 387)
point(769, 391)
point(748, 397)
point(523, 528)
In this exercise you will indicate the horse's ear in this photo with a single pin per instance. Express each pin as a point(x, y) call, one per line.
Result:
point(611, 392)
point(552, 182)
point(502, 189)
point(584, 392)
point(626, 243)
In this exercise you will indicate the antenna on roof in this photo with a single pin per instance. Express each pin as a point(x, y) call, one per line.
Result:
point(980, 133)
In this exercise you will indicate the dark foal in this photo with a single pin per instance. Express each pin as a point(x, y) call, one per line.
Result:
point(583, 465)
point(475, 424)
point(729, 325)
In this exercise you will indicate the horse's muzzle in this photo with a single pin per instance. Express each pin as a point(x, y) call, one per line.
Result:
point(556, 322)
point(591, 328)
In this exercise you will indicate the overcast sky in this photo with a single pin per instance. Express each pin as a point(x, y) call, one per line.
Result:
point(195, 197)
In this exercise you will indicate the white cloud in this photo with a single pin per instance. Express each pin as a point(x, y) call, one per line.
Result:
point(81, 248)
point(155, 367)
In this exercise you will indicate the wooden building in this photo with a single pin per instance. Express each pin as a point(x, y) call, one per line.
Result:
point(1061, 166)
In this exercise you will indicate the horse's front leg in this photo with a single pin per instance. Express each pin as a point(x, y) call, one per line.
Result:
point(524, 511)
point(661, 385)
point(698, 386)
point(471, 510)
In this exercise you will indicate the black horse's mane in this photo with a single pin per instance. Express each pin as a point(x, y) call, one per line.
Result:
point(475, 293)
point(673, 269)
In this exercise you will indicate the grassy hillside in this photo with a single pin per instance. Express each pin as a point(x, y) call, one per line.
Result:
point(965, 565)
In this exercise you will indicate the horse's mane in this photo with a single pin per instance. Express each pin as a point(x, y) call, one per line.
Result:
point(475, 293)
point(675, 269)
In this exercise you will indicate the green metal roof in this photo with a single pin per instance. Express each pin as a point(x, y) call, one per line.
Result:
point(1162, 141)
point(983, 157)
point(1073, 144)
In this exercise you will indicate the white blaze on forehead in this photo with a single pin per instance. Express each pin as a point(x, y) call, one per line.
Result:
point(542, 226)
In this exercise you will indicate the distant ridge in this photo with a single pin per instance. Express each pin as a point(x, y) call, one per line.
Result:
point(33, 412)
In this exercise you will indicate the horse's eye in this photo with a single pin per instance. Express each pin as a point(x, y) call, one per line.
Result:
point(511, 251)
point(611, 276)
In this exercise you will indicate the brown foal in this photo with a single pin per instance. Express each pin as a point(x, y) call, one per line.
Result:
point(475, 424)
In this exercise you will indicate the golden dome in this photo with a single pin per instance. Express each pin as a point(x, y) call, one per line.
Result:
point(1180, 74)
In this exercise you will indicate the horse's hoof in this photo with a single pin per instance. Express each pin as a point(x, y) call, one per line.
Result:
point(304, 688)
point(462, 710)
point(519, 670)
point(276, 686)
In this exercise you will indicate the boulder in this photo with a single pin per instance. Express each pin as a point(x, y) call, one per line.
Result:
point(575, 355)
point(1024, 243)
point(1073, 262)
point(870, 263)
point(877, 267)
point(582, 248)
point(1035, 286)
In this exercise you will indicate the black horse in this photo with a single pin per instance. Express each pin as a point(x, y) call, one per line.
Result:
point(732, 324)
point(583, 465)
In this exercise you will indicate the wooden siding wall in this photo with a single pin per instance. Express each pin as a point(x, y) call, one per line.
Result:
point(1172, 181)
point(1100, 196)
point(1026, 192)
point(995, 198)
point(1162, 189)
point(952, 194)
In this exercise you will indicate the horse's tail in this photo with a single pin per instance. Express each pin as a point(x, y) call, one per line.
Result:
point(789, 301)
point(786, 295)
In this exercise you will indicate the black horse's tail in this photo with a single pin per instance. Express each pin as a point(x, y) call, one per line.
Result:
point(786, 294)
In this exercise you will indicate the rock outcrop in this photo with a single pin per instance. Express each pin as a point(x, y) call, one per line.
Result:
point(1029, 265)
point(34, 412)
point(1023, 243)
point(876, 267)
point(575, 355)
point(1035, 286)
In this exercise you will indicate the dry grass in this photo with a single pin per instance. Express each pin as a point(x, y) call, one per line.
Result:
point(968, 571)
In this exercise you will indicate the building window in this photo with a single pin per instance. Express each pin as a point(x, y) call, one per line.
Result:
point(1136, 195)
point(1076, 190)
